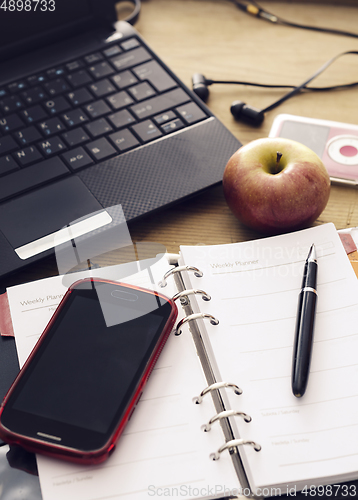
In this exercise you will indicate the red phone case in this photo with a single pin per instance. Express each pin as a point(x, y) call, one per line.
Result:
point(99, 455)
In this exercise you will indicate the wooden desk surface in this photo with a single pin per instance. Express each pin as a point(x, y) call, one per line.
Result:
point(220, 41)
point(215, 38)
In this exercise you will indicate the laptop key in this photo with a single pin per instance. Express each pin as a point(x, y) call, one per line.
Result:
point(74, 118)
point(74, 65)
point(130, 44)
point(80, 96)
point(165, 117)
point(131, 58)
point(142, 91)
point(7, 144)
point(27, 135)
point(10, 104)
point(77, 158)
point(56, 87)
point(147, 131)
point(102, 88)
point(191, 113)
point(92, 58)
point(124, 140)
point(17, 87)
point(7, 164)
point(35, 79)
point(100, 149)
point(112, 51)
point(56, 105)
point(26, 178)
point(79, 78)
point(54, 72)
point(120, 100)
point(75, 137)
point(172, 126)
point(27, 156)
point(34, 114)
point(121, 118)
point(97, 109)
point(50, 147)
point(10, 123)
point(155, 74)
point(51, 126)
point(98, 127)
point(101, 69)
point(124, 79)
point(159, 103)
point(33, 95)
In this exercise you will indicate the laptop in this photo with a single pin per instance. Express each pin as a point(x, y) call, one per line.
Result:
point(91, 118)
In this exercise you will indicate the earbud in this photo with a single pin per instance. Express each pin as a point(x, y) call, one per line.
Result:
point(246, 113)
point(254, 116)
point(239, 110)
point(200, 86)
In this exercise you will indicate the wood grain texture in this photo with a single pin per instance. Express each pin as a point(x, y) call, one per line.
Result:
point(325, 2)
point(216, 39)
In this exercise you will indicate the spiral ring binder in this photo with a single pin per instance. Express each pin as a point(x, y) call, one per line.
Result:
point(222, 414)
point(184, 293)
point(232, 444)
point(214, 387)
point(213, 320)
point(225, 414)
point(179, 269)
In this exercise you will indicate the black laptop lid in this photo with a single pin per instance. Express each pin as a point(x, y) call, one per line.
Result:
point(28, 24)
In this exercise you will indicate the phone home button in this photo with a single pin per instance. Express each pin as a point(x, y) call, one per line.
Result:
point(48, 436)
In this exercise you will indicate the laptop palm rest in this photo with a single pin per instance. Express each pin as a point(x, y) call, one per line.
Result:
point(30, 230)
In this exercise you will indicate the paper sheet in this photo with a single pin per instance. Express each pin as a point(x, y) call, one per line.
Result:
point(163, 450)
point(254, 288)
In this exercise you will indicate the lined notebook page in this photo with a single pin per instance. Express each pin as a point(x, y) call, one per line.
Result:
point(163, 450)
point(254, 288)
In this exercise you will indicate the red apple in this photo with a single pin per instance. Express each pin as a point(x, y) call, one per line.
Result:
point(276, 185)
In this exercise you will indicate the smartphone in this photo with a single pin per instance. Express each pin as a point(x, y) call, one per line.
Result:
point(84, 377)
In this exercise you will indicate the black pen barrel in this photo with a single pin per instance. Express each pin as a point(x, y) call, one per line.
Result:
point(310, 275)
point(303, 341)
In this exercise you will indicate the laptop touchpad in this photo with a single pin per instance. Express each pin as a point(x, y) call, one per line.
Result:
point(34, 216)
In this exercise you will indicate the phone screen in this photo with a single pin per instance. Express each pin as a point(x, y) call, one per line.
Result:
point(87, 368)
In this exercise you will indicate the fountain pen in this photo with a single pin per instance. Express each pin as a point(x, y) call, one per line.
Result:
point(303, 343)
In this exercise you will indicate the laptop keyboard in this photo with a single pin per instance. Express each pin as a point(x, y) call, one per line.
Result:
point(85, 111)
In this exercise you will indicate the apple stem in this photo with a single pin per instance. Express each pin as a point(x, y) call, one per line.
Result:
point(278, 158)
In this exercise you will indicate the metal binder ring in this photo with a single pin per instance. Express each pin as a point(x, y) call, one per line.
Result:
point(179, 269)
point(213, 320)
point(214, 387)
point(225, 414)
point(184, 293)
point(232, 444)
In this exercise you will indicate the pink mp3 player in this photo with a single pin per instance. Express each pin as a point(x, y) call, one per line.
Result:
point(335, 143)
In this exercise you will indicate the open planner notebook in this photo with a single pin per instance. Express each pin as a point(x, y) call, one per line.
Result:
point(254, 288)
